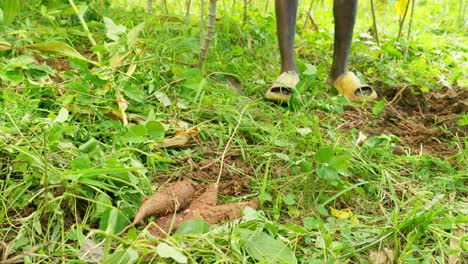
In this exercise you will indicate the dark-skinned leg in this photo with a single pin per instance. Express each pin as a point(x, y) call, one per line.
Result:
point(286, 11)
point(344, 12)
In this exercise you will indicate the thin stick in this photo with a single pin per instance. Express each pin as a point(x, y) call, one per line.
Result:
point(402, 20)
point(150, 7)
point(374, 21)
point(408, 38)
point(83, 23)
point(309, 10)
point(228, 144)
point(187, 11)
point(245, 17)
point(209, 33)
point(165, 7)
point(202, 20)
point(312, 21)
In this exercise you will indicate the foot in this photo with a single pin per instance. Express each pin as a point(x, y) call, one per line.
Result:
point(283, 87)
point(349, 85)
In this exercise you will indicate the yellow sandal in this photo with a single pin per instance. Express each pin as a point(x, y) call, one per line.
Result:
point(283, 87)
point(349, 85)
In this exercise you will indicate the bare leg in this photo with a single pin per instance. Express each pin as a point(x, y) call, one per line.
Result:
point(344, 12)
point(286, 11)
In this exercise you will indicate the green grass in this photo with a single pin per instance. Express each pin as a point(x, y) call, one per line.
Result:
point(72, 175)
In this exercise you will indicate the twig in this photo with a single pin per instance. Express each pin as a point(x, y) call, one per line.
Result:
point(309, 10)
point(408, 38)
point(202, 20)
point(402, 20)
point(374, 22)
point(187, 11)
point(245, 17)
point(209, 33)
point(150, 7)
point(398, 95)
point(165, 7)
point(85, 27)
point(312, 21)
point(229, 143)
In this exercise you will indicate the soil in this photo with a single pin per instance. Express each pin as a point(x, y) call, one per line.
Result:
point(424, 122)
point(205, 169)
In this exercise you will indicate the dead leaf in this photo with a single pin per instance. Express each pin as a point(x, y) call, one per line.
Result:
point(385, 256)
point(123, 104)
point(341, 214)
point(181, 138)
point(90, 252)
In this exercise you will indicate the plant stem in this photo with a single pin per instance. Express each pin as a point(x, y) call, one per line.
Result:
point(85, 27)
point(202, 20)
point(408, 38)
point(150, 7)
point(374, 22)
point(402, 20)
point(309, 10)
point(208, 34)
point(245, 17)
point(187, 11)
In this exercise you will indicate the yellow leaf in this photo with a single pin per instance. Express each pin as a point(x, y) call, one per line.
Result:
point(400, 6)
point(5, 45)
point(181, 137)
point(341, 214)
point(123, 104)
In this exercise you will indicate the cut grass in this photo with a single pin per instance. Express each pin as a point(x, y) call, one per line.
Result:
point(71, 172)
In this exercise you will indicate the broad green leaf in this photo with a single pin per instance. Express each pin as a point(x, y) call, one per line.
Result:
point(22, 61)
point(305, 165)
point(378, 107)
point(80, 163)
point(10, 9)
point(59, 47)
point(310, 69)
point(264, 248)
point(138, 130)
point(89, 146)
point(103, 202)
point(463, 121)
point(329, 174)
point(283, 156)
point(13, 76)
point(340, 163)
point(310, 223)
point(155, 130)
point(166, 251)
point(163, 98)
point(62, 115)
point(113, 31)
point(289, 199)
point(194, 226)
point(324, 155)
point(133, 33)
point(304, 131)
point(113, 221)
point(135, 93)
point(122, 256)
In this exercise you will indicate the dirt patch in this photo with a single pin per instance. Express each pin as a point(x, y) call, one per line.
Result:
point(234, 177)
point(424, 122)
